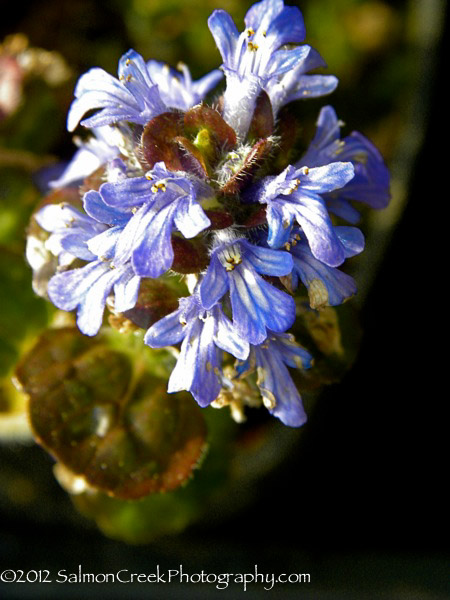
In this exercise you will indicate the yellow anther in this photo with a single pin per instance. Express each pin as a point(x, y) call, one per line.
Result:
point(128, 62)
point(287, 246)
point(134, 210)
point(156, 187)
point(250, 32)
point(305, 171)
point(252, 47)
point(293, 185)
point(232, 261)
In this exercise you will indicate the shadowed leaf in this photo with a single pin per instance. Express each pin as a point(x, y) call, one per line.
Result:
point(192, 158)
point(190, 256)
point(111, 424)
point(219, 219)
point(159, 143)
point(262, 124)
point(156, 300)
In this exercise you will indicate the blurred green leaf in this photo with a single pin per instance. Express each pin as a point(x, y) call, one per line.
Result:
point(106, 418)
point(22, 313)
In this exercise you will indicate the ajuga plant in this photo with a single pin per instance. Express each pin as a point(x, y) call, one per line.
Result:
point(175, 181)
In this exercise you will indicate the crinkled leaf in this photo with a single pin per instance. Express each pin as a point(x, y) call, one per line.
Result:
point(110, 423)
point(162, 514)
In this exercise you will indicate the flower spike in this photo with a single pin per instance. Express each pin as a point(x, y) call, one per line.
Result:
point(170, 193)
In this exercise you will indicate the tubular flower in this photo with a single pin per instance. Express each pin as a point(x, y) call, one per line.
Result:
point(370, 183)
point(295, 195)
point(204, 334)
point(236, 267)
point(279, 393)
point(327, 286)
point(256, 58)
point(160, 201)
point(168, 185)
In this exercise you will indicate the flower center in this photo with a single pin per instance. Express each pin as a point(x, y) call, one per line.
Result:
point(231, 257)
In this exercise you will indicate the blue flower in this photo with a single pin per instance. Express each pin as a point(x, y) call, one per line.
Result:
point(236, 266)
point(204, 334)
point(370, 184)
point(87, 289)
point(142, 91)
point(133, 97)
point(218, 170)
point(256, 56)
point(280, 394)
point(176, 87)
point(295, 195)
point(327, 286)
point(70, 230)
point(295, 84)
point(90, 237)
point(159, 202)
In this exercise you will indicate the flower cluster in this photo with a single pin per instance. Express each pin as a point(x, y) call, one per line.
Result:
point(172, 184)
